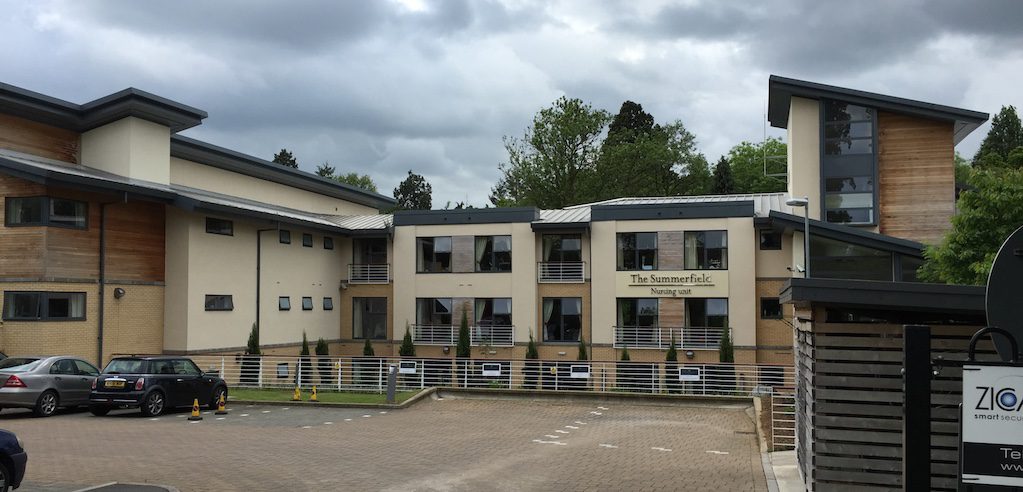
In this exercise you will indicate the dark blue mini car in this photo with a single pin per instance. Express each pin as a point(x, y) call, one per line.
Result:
point(12, 461)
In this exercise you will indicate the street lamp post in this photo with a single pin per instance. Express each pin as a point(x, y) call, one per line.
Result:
point(804, 203)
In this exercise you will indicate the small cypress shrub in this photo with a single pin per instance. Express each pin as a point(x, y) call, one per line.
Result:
point(582, 349)
point(726, 351)
point(407, 348)
point(367, 349)
point(531, 352)
point(464, 349)
point(305, 345)
point(321, 347)
point(625, 354)
point(252, 347)
point(672, 355)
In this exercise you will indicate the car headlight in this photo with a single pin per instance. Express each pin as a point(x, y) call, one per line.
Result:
point(21, 443)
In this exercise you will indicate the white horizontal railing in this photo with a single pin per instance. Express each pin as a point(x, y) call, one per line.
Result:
point(434, 334)
point(561, 272)
point(493, 335)
point(369, 274)
point(370, 374)
point(660, 337)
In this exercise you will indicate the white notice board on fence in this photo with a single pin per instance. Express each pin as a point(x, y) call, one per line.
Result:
point(689, 374)
point(580, 371)
point(992, 436)
point(407, 367)
point(491, 369)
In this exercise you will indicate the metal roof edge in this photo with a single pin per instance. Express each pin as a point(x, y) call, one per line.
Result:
point(873, 293)
point(851, 234)
point(499, 215)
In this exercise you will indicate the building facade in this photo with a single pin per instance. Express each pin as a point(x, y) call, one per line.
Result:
point(121, 236)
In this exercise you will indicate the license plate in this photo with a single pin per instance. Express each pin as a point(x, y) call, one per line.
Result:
point(113, 384)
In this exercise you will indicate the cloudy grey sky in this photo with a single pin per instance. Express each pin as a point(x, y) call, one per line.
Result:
point(381, 87)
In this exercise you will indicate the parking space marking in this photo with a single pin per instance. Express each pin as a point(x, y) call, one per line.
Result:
point(596, 413)
point(552, 437)
point(154, 419)
point(716, 452)
point(366, 416)
point(221, 418)
point(559, 443)
point(244, 415)
point(610, 446)
point(559, 431)
point(384, 412)
point(661, 449)
point(602, 408)
point(266, 411)
point(285, 408)
point(193, 421)
point(580, 423)
point(328, 423)
point(573, 427)
point(348, 420)
point(307, 427)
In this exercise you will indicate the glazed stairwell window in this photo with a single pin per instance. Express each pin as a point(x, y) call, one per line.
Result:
point(433, 254)
point(493, 254)
point(44, 306)
point(45, 211)
point(706, 250)
point(562, 319)
point(849, 163)
point(637, 251)
point(369, 317)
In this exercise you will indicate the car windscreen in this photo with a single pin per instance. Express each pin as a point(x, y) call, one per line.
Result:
point(19, 364)
point(126, 366)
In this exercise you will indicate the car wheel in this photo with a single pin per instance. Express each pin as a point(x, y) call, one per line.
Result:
point(215, 401)
point(5, 478)
point(153, 404)
point(99, 411)
point(47, 403)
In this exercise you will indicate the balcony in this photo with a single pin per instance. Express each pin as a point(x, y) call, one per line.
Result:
point(369, 274)
point(489, 335)
point(561, 272)
point(659, 337)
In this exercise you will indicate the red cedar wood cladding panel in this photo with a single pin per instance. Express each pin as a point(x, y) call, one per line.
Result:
point(916, 177)
point(135, 239)
point(38, 139)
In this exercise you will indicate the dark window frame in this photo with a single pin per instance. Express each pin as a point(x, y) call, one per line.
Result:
point(307, 240)
point(704, 260)
point(363, 252)
point(328, 303)
point(43, 305)
point(432, 312)
point(496, 259)
point(284, 236)
point(230, 302)
point(362, 329)
point(558, 252)
point(45, 215)
point(493, 319)
point(559, 321)
point(284, 303)
point(420, 242)
point(763, 311)
point(622, 260)
point(328, 242)
point(637, 301)
point(307, 303)
point(219, 232)
point(857, 165)
point(770, 232)
point(688, 322)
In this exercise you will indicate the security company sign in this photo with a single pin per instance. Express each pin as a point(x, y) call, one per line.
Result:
point(992, 425)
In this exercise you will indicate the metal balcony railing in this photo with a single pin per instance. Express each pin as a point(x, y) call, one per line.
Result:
point(434, 334)
point(369, 274)
point(659, 337)
point(493, 335)
point(561, 272)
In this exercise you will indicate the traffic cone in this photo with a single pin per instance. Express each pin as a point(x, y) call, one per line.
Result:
point(298, 395)
point(313, 396)
point(220, 406)
point(195, 410)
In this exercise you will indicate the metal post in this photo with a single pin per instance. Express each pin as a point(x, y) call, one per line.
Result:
point(380, 375)
point(392, 382)
point(916, 411)
point(339, 373)
point(806, 239)
point(260, 382)
point(222, 375)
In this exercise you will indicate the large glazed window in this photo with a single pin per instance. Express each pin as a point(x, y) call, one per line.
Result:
point(707, 312)
point(45, 211)
point(370, 317)
point(637, 312)
point(559, 248)
point(372, 251)
point(848, 162)
point(637, 251)
point(706, 250)
point(433, 254)
point(493, 312)
point(836, 259)
point(493, 254)
point(433, 311)
point(562, 319)
point(44, 306)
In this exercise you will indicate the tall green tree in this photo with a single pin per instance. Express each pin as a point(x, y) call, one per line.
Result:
point(987, 214)
point(723, 182)
point(551, 165)
point(1003, 145)
point(285, 158)
point(326, 170)
point(358, 180)
point(414, 193)
point(697, 178)
point(747, 162)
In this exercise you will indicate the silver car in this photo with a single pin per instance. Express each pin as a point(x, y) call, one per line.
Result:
point(45, 384)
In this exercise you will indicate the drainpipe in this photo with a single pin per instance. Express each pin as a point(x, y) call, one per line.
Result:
point(259, 267)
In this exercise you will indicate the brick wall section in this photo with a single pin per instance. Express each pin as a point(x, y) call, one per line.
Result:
point(670, 312)
point(774, 334)
point(134, 323)
point(669, 250)
point(77, 338)
point(463, 254)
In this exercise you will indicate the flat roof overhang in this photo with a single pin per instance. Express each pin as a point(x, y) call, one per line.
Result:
point(907, 296)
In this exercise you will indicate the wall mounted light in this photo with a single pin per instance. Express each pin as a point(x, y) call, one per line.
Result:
point(446, 349)
point(690, 354)
point(118, 293)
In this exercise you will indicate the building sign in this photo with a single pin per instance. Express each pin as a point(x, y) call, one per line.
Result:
point(992, 435)
point(491, 369)
point(688, 373)
point(407, 367)
point(699, 283)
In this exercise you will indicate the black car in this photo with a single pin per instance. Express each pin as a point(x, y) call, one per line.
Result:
point(13, 459)
point(154, 384)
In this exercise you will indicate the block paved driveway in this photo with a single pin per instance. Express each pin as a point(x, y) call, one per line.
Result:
point(447, 444)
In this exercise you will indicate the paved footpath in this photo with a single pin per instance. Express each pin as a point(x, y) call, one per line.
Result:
point(448, 444)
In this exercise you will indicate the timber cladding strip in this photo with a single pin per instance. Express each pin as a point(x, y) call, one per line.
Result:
point(849, 405)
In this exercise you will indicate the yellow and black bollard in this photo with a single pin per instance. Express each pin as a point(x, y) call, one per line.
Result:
point(221, 406)
point(195, 410)
point(298, 395)
point(313, 396)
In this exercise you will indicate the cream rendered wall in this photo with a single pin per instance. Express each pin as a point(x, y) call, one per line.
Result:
point(775, 263)
point(175, 313)
point(804, 152)
point(201, 176)
point(130, 147)
point(741, 271)
point(519, 284)
point(296, 271)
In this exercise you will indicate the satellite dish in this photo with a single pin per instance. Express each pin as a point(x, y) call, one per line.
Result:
point(1005, 293)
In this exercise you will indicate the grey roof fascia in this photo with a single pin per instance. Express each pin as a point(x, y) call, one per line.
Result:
point(205, 153)
point(41, 108)
point(197, 205)
point(466, 216)
point(851, 234)
point(51, 178)
point(878, 294)
point(554, 226)
point(781, 90)
point(712, 210)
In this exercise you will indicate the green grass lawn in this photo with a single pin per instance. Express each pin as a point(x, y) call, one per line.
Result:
point(322, 396)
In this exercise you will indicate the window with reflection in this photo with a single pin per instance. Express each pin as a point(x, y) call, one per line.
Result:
point(706, 250)
point(848, 163)
point(493, 312)
point(562, 248)
point(562, 319)
point(433, 311)
point(369, 317)
point(637, 251)
point(493, 253)
point(830, 258)
point(707, 312)
point(433, 254)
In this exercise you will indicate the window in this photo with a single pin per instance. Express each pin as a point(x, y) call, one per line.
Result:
point(433, 254)
point(373, 251)
point(770, 308)
point(637, 251)
point(307, 240)
point(770, 239)
point(830, 258)
point(285, 236)
point(637, 312)
point(186, 367)
point(328, 242)
point(307, 303)
point(431, 311)
point(217, 302)
point(370, 317)
point(86, 369)
point(219, 226)
point(562, 319)
point(46, 211)
point(328, 303)
point(848, 163)
point(44, 306)
point(562, 248)
point(493, 254)
point(707, 312)
point(284, 303)
point(706, 250)
point(910, 265)
point(493, 312)
point(64, 366)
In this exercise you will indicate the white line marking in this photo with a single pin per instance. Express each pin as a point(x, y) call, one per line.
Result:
point(383, 413)
point(154, 419)
point(266, 411)
point(559, 443)
point(182, 415)
point(611, 446)
point(221, 418)
point(366, 416)
point(571, 427)
point(307, 427)
point(244, 415)
point(596, 413)
point(348, 420)
point(286, 408)
point(559, 431)
point(580, 423)
point(601, 408)
point(328, 423)
point(552, 437)
point(193, 421)
point(661, 449)
point(716, 452)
